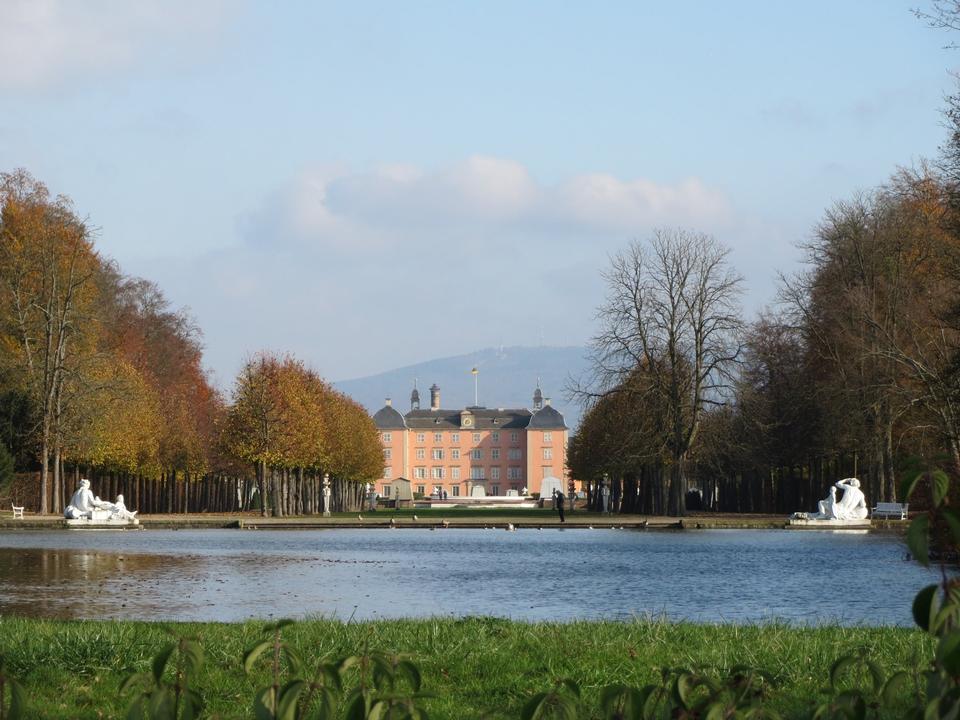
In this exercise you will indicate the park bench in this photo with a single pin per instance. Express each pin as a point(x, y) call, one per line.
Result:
point(18, 511)
point(891, 509)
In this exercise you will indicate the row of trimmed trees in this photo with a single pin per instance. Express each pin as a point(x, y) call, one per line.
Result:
point(857, 372)
point(100, 377)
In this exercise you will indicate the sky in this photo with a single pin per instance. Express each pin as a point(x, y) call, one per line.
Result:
point(370, 185)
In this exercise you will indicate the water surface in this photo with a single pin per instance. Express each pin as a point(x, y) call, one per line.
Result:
point(720, 575)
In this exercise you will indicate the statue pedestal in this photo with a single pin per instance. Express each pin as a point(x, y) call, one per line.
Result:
point(828, 524)
point(101, 522)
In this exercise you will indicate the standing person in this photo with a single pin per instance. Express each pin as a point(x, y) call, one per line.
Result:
point(559, 503)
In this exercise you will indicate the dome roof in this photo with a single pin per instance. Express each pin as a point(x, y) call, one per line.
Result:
point(388, 418)
point(547, 418)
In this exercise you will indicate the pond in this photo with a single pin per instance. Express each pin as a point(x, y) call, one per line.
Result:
point(802, 577)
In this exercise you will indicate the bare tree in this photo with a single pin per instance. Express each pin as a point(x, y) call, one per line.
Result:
point(672, 312)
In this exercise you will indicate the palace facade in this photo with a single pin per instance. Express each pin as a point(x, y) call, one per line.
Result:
point(455, 451)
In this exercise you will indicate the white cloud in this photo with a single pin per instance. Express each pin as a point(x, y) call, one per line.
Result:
point(489, 195)
point(44, 42)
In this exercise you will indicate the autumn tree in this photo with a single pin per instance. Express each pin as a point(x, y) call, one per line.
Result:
point(47, 266)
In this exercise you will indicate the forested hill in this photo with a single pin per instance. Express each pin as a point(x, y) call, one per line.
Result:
point(507, 378)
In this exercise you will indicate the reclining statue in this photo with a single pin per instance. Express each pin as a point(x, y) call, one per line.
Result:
point(852, 505)
point(84, 503)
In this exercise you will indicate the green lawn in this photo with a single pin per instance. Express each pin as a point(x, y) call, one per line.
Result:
point(477, 668)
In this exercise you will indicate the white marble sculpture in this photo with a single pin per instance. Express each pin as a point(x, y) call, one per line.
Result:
point(371, 497)
point(87, 509)
point(83, 503)
point(326, 495)
point(119, 510)
point(851, 507)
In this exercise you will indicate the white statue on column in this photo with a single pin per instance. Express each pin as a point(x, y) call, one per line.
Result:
point(850, 507)
point(326, 495)
point(371, 497)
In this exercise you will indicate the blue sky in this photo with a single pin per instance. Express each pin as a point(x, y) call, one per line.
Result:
point(369, 185)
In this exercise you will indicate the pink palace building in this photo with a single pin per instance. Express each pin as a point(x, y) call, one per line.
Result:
point(455, 451)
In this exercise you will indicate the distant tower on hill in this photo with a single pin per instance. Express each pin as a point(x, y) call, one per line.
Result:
point(537, 397)
point(415, 397)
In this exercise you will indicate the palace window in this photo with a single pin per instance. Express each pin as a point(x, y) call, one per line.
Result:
point(437, 454)
point(387, 454)
point(514, 437)
point(421, 437)
point(495, 454)
point(456, 490)
point(494, 473)
point(495, 437)
point(455, 437)
point(387, 437)
point(548, 453)
point(386, 491)
point(476, 473)
point(388, 472)
point(547, 437)
point(476, 454)
point(513, 453)
point(455, 474)
point(436, 473)
point(421, 489)
point(494, 489)
point(455, 454)
point(476, 437)
point(438, 437)
point(420, 473)
point(514, 473)
point(421, 453)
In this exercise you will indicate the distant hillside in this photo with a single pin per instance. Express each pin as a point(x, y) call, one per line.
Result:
point(508, 377)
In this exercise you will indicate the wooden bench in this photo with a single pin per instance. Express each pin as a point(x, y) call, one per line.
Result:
point(888, 509)
point(18, 511)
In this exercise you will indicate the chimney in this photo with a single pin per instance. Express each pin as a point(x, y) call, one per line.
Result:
point(388, 402)
point(434, 397)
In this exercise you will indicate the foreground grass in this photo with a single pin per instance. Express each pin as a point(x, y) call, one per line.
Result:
point(477, 667)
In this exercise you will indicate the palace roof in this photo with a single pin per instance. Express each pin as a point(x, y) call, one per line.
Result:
point(388, 418)
point(482, 419)
point(547, 418)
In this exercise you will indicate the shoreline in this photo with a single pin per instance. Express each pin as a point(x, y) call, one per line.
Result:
point(436, 519)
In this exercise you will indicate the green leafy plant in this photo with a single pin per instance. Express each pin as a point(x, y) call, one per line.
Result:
point(163, 694)
point(681, 693)
point(562, 702)
point(848, 698)
point(277, 700)
point(14, 709)
point(389, 686)
point(936, 608)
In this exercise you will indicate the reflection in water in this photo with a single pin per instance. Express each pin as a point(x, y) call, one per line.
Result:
point(738, 576)
point(80, 583)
